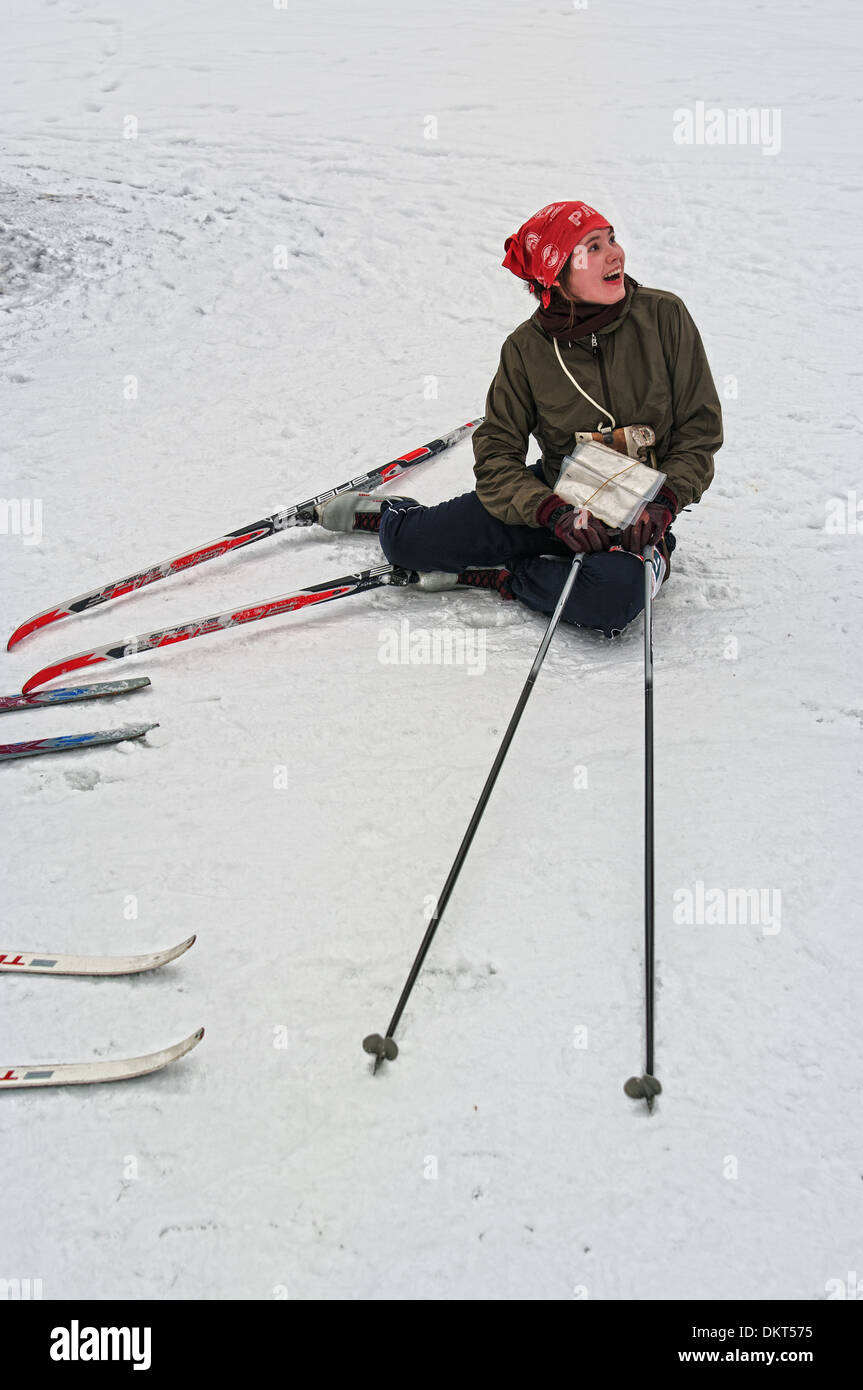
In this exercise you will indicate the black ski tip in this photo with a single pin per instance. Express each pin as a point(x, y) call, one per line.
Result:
point(382, 1049)
point(642, 1088)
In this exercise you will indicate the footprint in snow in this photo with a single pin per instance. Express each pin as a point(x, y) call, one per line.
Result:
point(83, 779)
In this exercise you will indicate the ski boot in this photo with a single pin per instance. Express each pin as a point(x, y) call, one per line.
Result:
point(474, 577)
point(355, 511)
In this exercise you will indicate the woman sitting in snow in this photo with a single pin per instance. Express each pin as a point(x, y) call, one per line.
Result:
point(600, 353)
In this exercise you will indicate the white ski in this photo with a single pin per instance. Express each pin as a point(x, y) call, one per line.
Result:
point(86, 1073)
point(45, 963)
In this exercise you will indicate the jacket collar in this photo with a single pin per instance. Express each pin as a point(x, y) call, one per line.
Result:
point(582, 337)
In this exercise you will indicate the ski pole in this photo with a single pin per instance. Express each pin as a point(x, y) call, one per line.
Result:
point(646, 1087)
point(385, 1048)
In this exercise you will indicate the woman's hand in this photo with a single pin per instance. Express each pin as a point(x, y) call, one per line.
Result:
point(576, 527)
point(652, 524)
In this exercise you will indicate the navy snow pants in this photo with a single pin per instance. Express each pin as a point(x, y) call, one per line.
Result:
point(609, 589)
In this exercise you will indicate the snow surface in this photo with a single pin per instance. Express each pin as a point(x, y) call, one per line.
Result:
point(497, 1158)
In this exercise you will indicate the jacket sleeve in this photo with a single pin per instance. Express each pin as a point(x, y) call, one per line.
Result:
point(696, 432)
point(504, 485)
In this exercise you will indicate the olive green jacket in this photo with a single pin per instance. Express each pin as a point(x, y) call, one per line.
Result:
point(648, 367)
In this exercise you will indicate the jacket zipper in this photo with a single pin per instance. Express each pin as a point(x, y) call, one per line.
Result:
point(598, 357)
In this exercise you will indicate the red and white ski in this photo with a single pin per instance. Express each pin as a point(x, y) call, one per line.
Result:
point(87, 1073)
point(301, 514)
point(218, 622)
point(48, 963)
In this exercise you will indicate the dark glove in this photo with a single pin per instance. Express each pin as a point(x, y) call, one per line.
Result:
point(577, 528)
point(652, 524)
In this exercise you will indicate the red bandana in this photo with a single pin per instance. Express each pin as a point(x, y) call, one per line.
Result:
point(538, 249)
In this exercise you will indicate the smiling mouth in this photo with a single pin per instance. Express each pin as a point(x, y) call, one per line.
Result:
point(612, 278)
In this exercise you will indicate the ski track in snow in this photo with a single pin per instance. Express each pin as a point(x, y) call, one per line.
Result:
point(163, 378)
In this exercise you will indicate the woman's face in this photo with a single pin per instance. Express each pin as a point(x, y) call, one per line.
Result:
point(595, 270)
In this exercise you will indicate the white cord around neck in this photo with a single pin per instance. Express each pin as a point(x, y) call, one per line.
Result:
point(578, 388)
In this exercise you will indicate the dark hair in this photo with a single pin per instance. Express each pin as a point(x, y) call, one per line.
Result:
point(558, 300)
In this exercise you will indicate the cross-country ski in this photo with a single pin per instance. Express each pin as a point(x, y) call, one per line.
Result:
point(72, 694)
point(70, 743)
point(301, 514)
point(19, 1076)
point(118, 650)
point(48, 963)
